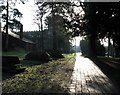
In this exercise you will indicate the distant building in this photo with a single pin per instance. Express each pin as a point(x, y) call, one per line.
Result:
point(36, 36)
point(63, 43)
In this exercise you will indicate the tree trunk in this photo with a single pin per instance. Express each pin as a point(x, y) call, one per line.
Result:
point(116, 54)
point(54, 30)
point(108, 46)
point(6, 38)
point(21, 31)
point(42, 41)
point(54, 40)
point(92, 46)
point(0, 25)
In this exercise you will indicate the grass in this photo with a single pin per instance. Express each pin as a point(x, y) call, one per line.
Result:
point(18, 52)
point(69, 55)
point(52, 77)
point(109, 58)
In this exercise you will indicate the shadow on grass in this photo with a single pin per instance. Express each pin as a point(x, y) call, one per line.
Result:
point(34, 89)
point(43, 79)
point(55, 93)
point(6, 75)
point(29, 63)
point(25, 64)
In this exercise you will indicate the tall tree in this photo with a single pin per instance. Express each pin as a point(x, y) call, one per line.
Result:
point(96, 22)
point(39, 21)
point(53, 8)
point(6, 17)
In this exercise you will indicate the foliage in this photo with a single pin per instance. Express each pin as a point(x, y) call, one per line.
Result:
point(59, 34)
point(54, 10)
point(101, 20)
point(53, 77)
point(84, 44)
point(100, 49)
point(11, 16)
point(98, 20)
point(85, 48)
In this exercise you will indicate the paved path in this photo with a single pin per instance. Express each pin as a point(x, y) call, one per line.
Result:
point(88, 78)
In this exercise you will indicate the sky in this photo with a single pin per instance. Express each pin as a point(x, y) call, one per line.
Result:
point(76, 41)
point(28, 10)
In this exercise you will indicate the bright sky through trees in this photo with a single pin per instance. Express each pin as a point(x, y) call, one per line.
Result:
point(28, 10)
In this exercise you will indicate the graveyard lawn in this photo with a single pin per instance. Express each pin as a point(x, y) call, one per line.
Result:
point(20, 52)
point(52, 77)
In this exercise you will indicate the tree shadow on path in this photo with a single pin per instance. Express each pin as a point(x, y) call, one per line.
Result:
point(112, 73)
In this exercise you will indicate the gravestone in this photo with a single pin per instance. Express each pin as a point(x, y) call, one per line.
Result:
point(41, 56)
point(10, 64)
point(54, 54)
